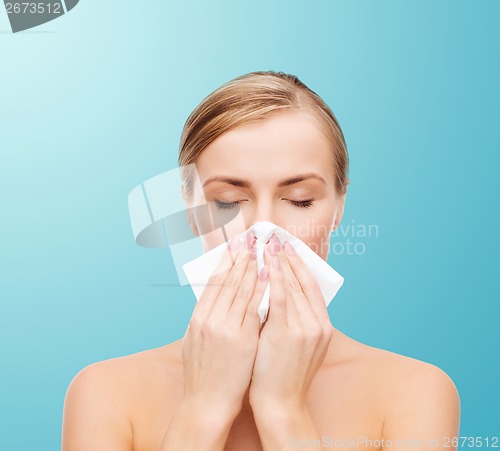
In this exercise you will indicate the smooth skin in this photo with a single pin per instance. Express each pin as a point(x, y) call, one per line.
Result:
point(227, 385)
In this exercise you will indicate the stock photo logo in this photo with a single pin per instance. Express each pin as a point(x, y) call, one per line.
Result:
point(25, 15)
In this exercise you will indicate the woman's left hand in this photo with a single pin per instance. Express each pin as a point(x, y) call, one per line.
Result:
point(294, 340)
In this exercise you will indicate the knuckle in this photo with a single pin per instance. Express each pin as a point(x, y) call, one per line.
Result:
point(245, 253)
point(225, 334)
point(252, 306)
point(292, 284)
point(228, 333)
point(216, 279)
point(328, 332)
point(252, 270)
point(195, 322)
point(209, 329)
point(315, 333)
point(297, 334)
point(243, 293)
point(312, 285)
point(231, 281)
point(241, 260)
point(252, 313)
point(279, 301)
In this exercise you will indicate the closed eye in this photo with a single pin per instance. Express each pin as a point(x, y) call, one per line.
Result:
point(228, 205)
point(225, 205)
point(302, 203)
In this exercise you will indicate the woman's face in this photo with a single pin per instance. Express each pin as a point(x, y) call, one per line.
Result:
point(275, 170)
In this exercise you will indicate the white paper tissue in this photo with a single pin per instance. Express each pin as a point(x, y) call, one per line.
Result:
point(199, 270)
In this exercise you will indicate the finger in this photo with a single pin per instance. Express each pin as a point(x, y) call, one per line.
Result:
point(277, 296)
point(231, 284)
point(252, 318)
point(215, 281)
point(308, 283)
point(245, 291)
point(300, 309)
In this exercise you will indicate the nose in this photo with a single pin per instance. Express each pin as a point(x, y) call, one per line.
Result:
point(262, 211)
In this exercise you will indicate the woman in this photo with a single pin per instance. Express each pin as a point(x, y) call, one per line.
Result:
point(265, 144)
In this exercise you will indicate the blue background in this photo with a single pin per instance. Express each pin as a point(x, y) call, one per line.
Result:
point(93, 103)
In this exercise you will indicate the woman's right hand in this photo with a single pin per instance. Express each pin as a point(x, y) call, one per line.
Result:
point(220, 343)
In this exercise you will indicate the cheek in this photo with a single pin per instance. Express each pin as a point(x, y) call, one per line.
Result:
point(315, 235)
point(210, 237)
point(212, 240)
point(315, 231)
point(320, 242)
point(218, 236)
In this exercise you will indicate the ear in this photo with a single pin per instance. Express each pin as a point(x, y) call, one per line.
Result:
point(339, 213)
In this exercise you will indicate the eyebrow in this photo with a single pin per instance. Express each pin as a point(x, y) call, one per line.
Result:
point(246, 184)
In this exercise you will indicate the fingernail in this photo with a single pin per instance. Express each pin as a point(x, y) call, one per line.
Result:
point(250, 237)
point(235, 242)
point(274, 245)
point(264, 273)
point(253, 251)
point(289, 248)
point(276, 262)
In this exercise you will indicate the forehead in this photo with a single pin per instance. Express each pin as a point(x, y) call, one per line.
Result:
point(278, 146)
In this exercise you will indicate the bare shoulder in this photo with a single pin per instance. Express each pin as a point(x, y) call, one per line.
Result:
point(133, 373)
point(398, 372)
point(418, 398)
point(120, 373)
point(403, 371)
point(424, 403)
point(104, 397)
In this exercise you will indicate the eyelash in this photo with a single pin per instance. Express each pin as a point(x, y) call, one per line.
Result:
point(229, 205)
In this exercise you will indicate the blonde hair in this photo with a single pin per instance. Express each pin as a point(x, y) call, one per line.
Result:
point(251, 97)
